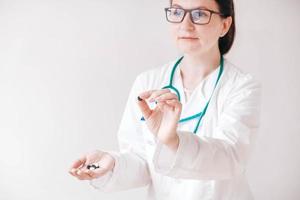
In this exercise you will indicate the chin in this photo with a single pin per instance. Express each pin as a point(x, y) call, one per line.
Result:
point(190, 49)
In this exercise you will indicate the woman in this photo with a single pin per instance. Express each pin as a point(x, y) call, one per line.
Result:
point(188, 126)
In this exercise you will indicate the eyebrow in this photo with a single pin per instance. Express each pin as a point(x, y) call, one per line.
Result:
point(179, 6)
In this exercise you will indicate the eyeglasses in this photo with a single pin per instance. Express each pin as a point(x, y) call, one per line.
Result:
point(198, 16)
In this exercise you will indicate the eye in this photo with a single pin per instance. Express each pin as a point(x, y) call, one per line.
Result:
point(176, 11)
point(200, 14)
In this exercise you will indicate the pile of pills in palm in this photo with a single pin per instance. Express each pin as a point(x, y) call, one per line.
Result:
point(93, 166)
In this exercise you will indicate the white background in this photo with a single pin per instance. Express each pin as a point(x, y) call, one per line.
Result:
point(66, 68)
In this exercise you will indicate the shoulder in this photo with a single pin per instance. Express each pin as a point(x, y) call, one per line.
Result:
point(236, 78)
point(240, 85)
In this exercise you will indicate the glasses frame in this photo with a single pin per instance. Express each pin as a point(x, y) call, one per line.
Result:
point(211, 12)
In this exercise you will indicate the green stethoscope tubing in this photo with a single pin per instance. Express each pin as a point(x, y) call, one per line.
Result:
point(201, 114)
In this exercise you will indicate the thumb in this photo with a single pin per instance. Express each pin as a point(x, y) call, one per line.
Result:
point(78, 163)
point(145, 109)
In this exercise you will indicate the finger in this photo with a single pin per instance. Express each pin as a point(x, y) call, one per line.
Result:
point(146, 94)
point(167, 96)
point(78, 163)
point(145, 109)
point(160, 105)
point(82, 175)
point(164, 106)
point(97, 172)
point(73, 172)
point(166, 99)
point(157, 93)
point(175, 104)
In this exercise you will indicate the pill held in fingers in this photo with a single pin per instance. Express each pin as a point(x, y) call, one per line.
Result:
point(93, 166)
point(139, 98)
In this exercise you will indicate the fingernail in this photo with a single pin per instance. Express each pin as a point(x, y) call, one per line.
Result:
point(139, 98)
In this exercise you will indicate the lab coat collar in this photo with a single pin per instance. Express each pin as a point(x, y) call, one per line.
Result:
point(199, 96)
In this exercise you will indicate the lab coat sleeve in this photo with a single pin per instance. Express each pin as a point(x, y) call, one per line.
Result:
point(131, 168)
point(224, 155)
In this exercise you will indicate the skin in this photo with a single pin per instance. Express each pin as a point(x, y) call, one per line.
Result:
point(79, 167)
point(199, 45)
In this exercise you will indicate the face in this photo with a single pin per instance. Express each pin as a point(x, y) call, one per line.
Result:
point(198, 39)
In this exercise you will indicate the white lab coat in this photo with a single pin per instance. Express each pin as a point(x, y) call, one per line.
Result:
point(209, 165)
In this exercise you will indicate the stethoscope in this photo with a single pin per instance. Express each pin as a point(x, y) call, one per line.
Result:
point(202, 113)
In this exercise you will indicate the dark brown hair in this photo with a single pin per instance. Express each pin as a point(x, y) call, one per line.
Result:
point(226, 7)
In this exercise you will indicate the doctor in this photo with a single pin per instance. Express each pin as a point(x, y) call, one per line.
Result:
point(189, 126)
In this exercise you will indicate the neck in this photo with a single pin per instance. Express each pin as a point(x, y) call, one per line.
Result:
point(197, 66)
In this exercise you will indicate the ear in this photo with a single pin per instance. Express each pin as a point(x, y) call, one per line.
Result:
point(226, 23)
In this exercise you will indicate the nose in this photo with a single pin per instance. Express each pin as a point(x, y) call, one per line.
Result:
point(187, 22)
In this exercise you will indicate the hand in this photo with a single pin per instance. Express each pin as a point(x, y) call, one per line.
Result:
point(79, 167)
point(162, 121)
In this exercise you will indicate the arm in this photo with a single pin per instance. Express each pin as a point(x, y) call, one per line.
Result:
point(225, 154)
point(131, 168)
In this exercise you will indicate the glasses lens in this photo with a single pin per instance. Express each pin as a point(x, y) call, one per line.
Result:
point(200, 16)
point(175, 14)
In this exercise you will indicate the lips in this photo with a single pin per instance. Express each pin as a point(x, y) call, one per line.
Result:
point(188, 38)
